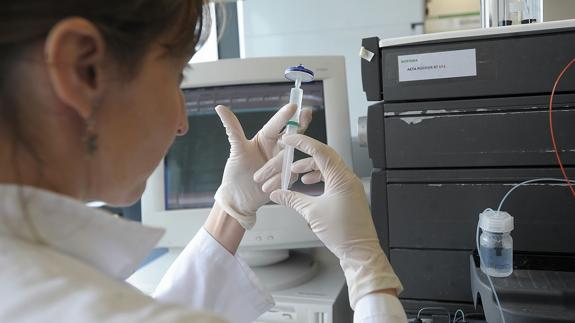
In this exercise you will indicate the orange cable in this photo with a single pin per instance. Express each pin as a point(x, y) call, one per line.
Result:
point(551, 126)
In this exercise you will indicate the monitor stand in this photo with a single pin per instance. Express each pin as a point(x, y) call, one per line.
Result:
point(260, 258)
point(298, 268)
point(295, 268)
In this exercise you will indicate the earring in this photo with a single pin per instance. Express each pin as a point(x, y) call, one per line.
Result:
point(90, 138)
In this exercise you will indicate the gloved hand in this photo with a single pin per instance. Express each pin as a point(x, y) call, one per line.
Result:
point(238, 194)
point(340, 217)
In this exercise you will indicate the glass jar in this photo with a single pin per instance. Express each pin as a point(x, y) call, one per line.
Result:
point(495, 243)
point(496, 253)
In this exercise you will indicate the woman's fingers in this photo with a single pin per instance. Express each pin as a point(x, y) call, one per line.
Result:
point(270, 168)
point(273, 128)
point(269, 175)
point(274, 182)
point(312, 178)
point(232, 124)
point(304, 165)
point(326, 159)
point(308, 166)
point(304, 120)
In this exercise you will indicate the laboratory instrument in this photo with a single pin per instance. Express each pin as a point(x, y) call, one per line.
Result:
point(450, 132)
point(299, 74)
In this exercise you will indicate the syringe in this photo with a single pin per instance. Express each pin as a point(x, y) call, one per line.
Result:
point(298, 74)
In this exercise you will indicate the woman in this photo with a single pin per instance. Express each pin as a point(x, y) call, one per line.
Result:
point(89, 104)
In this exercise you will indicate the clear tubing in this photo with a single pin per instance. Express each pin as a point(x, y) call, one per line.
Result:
point(516, 186)
point(296, 97)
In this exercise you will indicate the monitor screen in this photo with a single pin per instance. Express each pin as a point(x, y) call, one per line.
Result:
point(194, 164)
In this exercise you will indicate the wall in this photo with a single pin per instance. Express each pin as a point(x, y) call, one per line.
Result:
point(328, 27)
point(451, 7)
point(448, 15)
point(558, 9)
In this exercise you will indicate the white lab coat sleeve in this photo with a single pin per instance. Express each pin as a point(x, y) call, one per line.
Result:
point(205, 276)
point(379, 308)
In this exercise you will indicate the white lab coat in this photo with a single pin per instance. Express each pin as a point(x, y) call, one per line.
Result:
point(63, 262)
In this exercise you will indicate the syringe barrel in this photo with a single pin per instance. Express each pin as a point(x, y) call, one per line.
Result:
point(291, 129)
point(286, 167)
point(288, 158)
point(296, 97)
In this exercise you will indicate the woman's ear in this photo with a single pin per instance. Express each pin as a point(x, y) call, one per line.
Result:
point(74, 52)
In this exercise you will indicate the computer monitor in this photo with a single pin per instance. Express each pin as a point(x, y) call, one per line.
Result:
point(179, 194)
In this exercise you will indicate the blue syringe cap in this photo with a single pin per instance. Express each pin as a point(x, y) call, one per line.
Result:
point(300, 73)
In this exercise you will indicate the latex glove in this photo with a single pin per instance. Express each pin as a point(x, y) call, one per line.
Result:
point(340, 217)
point(238, 194)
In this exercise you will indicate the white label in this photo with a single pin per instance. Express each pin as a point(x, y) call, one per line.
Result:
point(440, 65)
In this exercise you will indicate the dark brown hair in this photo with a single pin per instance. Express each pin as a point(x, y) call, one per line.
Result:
point(129, 27)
